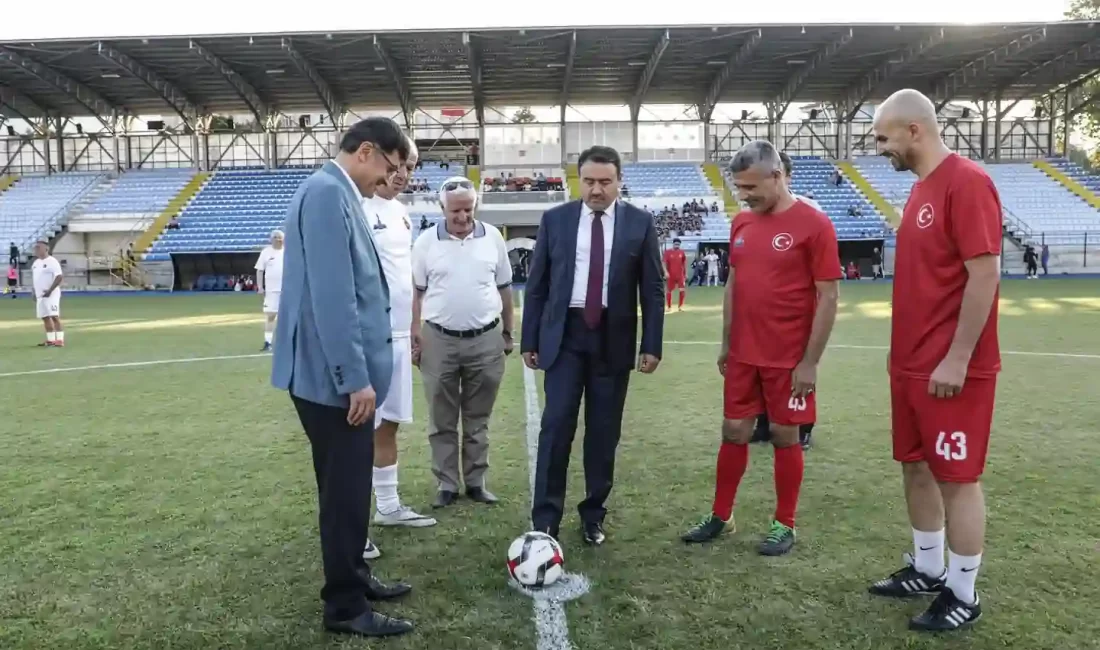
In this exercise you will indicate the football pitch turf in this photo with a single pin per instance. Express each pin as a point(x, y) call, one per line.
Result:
point(172, 505)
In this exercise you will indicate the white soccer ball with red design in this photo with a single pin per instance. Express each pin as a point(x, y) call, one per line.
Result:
point(535, 560)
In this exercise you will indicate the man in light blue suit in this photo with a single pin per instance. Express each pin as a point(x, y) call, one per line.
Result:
point(333, 353)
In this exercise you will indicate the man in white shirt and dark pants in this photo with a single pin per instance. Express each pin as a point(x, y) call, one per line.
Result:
point(463, 293)
point(389, 222)
point(269, 283)
point(47, 276)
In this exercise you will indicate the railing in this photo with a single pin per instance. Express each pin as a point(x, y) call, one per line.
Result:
point(1070, 246)
point(511, 198)
point(1017, 226)
point(54, 218)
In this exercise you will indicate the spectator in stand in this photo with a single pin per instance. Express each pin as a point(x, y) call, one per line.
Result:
point(13, 255)
point(174, 223)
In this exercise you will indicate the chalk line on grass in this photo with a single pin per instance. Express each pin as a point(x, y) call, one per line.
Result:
point(129, 364)
point(551, 626)
point(228, 357)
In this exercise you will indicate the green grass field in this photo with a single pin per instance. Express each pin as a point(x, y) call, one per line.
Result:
point(172, 506)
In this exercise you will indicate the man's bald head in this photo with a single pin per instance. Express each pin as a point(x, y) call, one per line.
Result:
point(907, 130)
point(908, 106)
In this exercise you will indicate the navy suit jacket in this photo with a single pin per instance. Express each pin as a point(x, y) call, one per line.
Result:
point(334, 334)
point(635, 276)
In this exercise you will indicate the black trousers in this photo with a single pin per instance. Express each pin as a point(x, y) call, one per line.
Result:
point(581, 370)
point(343, 458)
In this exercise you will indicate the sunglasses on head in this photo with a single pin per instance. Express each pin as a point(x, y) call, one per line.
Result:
point(451, 186)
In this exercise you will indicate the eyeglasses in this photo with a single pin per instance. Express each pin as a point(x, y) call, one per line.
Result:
point(451, 186)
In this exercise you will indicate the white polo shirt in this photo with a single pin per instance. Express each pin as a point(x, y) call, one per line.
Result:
point(392, 230)
point(44, 272)
point(271, 263)
point(461, 278)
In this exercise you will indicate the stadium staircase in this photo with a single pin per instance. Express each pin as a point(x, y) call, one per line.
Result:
point(573, 180)
point(1069, 183)
point(714, 175)
point(155, 229)
point(473, 172)
point(888, 212)
point(6, 182)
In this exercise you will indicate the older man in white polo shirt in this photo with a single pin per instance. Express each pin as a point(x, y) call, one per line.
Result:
point(463, 295)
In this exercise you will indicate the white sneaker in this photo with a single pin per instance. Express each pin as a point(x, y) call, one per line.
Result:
point(371, 551)
point(404, 516)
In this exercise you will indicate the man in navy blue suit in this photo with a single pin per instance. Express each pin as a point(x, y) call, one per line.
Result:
point(594, 261)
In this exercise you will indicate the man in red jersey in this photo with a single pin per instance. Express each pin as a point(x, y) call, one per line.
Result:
point(676, 272)
point(779, 309)
point(944, 358)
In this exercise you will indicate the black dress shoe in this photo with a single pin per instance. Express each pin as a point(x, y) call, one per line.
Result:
point(593, 533)
point(370, 624)
point(445, 498)
point(378, 590)
point(481, 495)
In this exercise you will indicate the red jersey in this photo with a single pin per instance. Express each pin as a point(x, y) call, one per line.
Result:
point(676, 263)
point(775, 260)
point(952, 216)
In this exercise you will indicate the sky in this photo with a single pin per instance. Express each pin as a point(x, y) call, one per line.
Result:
point(133, 18)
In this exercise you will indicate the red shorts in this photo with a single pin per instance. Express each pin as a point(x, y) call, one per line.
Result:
point(676, 282)
point(951, 435)
point(752, 390)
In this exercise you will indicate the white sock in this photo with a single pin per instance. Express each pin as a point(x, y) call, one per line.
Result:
point(962, 573)
point(60, 337)
point(385, 489)
point(51, 337)
point(928, 552)
point(268, 336)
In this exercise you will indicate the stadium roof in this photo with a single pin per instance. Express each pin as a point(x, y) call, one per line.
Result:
point(703, 65)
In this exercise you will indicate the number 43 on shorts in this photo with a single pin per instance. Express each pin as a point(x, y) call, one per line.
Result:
point(951, 446)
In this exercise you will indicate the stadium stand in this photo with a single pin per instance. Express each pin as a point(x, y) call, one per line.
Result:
point(852, 214)
point(141, 191)
point(237, 209)
point(433, 174)
point(34, 206)
point(892, 185)
point(1077, 173)
point(235, 212)
point(1054, 214)
point(666, 179)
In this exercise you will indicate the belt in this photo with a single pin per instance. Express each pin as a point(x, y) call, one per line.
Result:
point(464, 334)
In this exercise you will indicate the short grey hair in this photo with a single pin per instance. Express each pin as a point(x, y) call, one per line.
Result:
point(470, 191)
point(757, 152)
point(277, 233)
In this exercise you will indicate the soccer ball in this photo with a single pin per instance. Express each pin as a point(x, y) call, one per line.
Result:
point(535, 560)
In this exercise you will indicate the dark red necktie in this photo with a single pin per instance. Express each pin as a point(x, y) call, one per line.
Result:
point(593, 301)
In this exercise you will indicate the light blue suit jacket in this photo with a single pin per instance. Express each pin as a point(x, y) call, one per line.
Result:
point(334, 333)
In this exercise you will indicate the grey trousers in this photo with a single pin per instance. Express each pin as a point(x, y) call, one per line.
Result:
point(461, 378)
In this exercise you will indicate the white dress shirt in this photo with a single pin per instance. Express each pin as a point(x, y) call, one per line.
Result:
point(584, 252)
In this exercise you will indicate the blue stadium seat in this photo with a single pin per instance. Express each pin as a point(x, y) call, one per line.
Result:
point(33, 206)
point(237, 209)
point(666, 179)
point(141, 191)
point(1027, 194)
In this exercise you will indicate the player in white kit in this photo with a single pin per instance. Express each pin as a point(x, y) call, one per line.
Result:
point(389, 222)
point(47, 275)
point(269, 283)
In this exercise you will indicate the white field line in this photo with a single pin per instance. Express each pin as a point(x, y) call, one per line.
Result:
point(551, 626)
point(228, 357)
point(129, 364)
